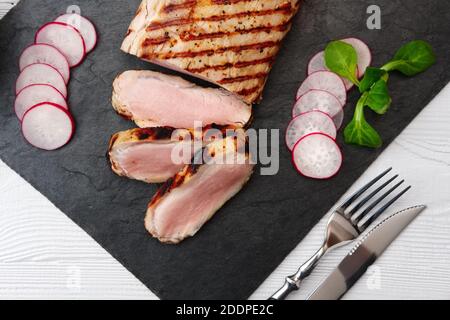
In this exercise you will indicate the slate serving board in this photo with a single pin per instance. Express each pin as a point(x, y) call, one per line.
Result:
point(251, 235)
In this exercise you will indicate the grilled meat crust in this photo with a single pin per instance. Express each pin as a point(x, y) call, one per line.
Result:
point(141, 135)
point(232, 43)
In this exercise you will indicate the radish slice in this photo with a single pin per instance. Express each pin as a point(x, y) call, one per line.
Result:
point(307, 123)
point(65, 38)
point(35, 94)
point(86, 28)
point(325, 80)
point(319, 100)
point(44, 53)
point(363, 52)
point(317, 156)
point(48, 126)
point(317, 63)
point(41, 73)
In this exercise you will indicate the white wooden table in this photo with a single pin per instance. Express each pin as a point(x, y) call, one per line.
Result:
point(44, 255)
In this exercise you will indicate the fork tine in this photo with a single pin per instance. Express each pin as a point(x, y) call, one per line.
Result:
point(381, 210)
point(352, 199)
point(375, 203)
point(370, 196)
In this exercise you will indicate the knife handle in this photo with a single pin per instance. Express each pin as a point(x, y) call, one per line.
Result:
point(293, 282)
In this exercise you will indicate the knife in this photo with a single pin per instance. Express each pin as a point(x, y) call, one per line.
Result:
point(364, 254)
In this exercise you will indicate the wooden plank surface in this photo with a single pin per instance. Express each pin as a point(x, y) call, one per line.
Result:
point(44, 255)
point(6, 5)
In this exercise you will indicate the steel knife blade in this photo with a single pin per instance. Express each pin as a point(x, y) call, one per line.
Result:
point(364, 254)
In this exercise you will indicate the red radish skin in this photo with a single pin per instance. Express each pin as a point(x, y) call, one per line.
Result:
point(317, 63)
point(36, 94)
point(84, 25)
point(48, 126)
point(40, 85)
point(65, 38)
point(298, 153)
point(45, 53)
point(307, 123)
point(41, 73)
point(363, 52)
point(320, 100)
point(327, 81)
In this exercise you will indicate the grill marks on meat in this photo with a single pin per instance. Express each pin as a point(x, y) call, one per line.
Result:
point(230, 43)
point(153, 99)
point(191, 198)
point(284, 9)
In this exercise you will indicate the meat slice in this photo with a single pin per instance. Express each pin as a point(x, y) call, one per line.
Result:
point(188, 200)
point(154, 155)
point(145, 154)
point(230, 43)
point(154, 99)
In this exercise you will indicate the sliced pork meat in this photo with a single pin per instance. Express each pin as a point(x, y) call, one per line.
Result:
point(230, 43)
point(154, 99)
point(154, 155)
point(188, 200)
point(145, 154)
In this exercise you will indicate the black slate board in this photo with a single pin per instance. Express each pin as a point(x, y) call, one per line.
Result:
point(252, 234)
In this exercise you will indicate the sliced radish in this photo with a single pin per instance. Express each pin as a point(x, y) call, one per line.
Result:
point(307, 123)
point(325, 80)
point(86, 28)
point(317, 63)
point(363, 52)
point(65, 38)
point(41, 73)
point(44, 53)
point(48, 126)
point(317, 156)
point(319, 100)
point(36, 94)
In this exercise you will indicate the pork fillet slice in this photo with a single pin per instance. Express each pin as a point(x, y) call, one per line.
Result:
point(188, 200)
point(145, 154)
point(229, 43)
point(154, 99)
point(154, 155)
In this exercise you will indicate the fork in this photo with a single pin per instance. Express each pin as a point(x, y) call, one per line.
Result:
point(344, 227)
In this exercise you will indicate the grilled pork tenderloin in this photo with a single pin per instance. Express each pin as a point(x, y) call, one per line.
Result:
point(230, 43)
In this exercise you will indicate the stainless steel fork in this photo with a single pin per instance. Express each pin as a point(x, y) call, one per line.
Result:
point(344, 227)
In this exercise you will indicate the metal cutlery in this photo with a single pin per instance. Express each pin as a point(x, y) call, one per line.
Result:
point(344, 226)
point(364, 254)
